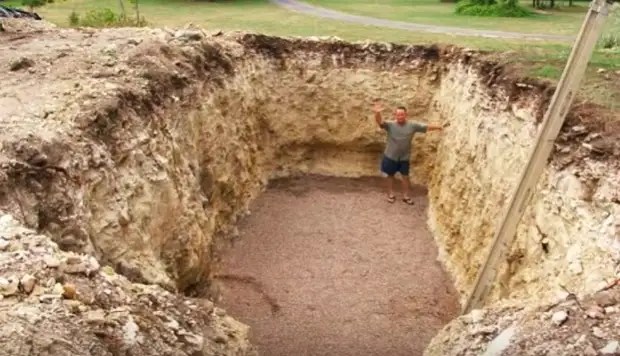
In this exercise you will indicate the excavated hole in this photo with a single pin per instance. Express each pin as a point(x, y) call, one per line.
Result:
point(153, 168)
point(326, 266)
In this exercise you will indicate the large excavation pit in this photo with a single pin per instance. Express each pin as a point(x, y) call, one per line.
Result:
point(141, 150)
point(327, 267)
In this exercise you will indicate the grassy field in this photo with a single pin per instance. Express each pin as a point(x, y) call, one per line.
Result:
point(562, 21)
point(535, 58)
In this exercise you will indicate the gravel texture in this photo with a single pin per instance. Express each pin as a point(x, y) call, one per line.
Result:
point(326, 266)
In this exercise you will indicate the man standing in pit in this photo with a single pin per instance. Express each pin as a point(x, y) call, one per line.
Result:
point(400, 133)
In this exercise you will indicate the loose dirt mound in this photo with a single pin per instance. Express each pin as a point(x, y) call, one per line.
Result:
point(576, 327)
point(56, 303)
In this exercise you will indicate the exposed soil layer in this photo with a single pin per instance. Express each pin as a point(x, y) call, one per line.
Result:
point(326, 266)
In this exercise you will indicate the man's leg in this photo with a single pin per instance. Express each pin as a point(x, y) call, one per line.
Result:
point(404, 175)
point(389, 168)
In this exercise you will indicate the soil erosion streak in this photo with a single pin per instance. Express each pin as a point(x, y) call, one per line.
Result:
point(351, 274)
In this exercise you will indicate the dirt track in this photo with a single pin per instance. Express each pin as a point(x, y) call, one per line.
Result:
point(325, 266)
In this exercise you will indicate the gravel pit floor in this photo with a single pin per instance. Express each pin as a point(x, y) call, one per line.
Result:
point(326, 266)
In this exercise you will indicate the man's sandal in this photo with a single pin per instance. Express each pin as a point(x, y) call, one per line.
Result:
point(408, 201)
point(391, 199)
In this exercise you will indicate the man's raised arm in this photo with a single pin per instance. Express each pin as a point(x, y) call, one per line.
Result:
point(377, 108)
point(434, 128)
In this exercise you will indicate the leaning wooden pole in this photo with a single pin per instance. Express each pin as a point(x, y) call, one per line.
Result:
point(549, 130)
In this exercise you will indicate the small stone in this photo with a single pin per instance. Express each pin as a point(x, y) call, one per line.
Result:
point(596, 331)
point(28, 282)
point(48, 298)
point(123, 218)
point(4, 244)
point(131, 332)
point(73, 305)
point(500, 342)
point(484, 330)
point(20, 63)
point(173, 324)
point(58, 289)
point(108, 270)
point(590, 351)
point(9, 287)
point(195, 340)
point(476, 315)
point(610, 349)
point(69, 291)
point(39, 159)
point(30, 314)
point(73, 260)
point(220, 337)
point(559, 317)
point(95, 316)
point(219, 311)
point(75, 268)
point(595, 312)
point(51, 261)
point(610, 310)
point(50, 282)
point(207, 305)
point(38, 290)
point(605, 299)
point(93, 266)
point(575, 268)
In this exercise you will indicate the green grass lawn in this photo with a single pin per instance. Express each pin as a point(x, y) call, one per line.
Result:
point(563, 21)
point(262, 16)
point(536, 58)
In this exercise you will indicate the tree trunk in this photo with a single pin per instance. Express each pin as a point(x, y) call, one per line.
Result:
point(120, 3)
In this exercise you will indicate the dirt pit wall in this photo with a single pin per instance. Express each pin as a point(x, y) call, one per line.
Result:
point(139, 145)
point(567, 239)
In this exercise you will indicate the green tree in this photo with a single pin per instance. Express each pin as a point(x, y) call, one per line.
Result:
point(136, 5)
point(32, 4)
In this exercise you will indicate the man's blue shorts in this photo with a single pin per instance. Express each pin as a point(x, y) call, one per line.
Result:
point(390, 166)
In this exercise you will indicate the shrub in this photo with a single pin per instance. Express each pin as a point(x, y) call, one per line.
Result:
point(74, 18)
point(100, 18)
point(105, 18)
point(34, 3)
point(502, 9)
point(611, 35)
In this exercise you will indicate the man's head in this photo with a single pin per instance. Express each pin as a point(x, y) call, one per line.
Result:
point(401, 114)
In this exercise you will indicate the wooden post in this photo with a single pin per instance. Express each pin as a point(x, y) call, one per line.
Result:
point(549, 130)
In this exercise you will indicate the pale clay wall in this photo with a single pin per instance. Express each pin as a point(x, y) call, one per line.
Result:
point(478, 165)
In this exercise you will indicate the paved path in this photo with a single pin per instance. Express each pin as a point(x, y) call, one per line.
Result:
point(327, 267)
point(307, 9)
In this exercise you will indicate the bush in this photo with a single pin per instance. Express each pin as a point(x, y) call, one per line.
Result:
point(34, 3)
point(611, 34)
point(475, 8)
point(74, 19)
point(100, 18)
point(105, 18)
point(610, 41)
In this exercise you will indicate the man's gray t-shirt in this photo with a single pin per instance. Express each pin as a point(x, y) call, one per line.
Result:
point(399, 138)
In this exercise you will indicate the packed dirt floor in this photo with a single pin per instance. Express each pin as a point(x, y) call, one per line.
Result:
point(326, 266)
